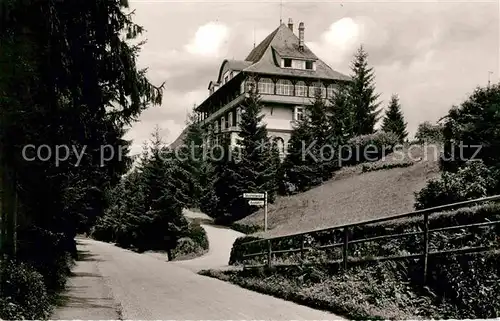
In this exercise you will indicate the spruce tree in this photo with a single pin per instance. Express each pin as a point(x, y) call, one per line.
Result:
point(208, 176)
point(164, 223)
point(362, 94)
point(298, 170)
point(259, 156)
point(341, 116)
point(311, 154)
point(229, 185)
point(189, 161)
point(394, 119)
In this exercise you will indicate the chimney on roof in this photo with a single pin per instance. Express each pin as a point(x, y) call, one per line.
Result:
point(290, 24)
point(301, 36)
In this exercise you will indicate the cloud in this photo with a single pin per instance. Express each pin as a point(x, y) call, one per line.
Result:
point(208, 40)
point(338, 41)
point(431, 54)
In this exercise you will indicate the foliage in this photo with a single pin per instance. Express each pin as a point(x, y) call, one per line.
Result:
point(299, 168)
point(471, 130)
point(250, 167)
point(474, 180)
point(341, 116)
point(145, 209)
point(369, 147)
point(68, 79)
point(198, 235)
point(191, 163)
point(461, 286)
point(486, 236)
point(429, 133)
point(368, 167)
point(245, 229)
point(394, 120)
point(193, 243)
point(23, 294)
point(238, 250)
point(311, 150)
point(228, 185)
point(362, 96)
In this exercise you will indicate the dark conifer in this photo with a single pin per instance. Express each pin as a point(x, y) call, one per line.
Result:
point(362, 94)
point(394, 120)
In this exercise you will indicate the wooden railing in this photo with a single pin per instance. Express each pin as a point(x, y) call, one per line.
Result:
point(425, 232)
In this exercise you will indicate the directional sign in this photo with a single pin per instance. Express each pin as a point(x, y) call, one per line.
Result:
point(253, 195)
point(256, 203)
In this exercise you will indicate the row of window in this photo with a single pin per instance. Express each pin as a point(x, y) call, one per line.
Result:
point(287, 88)
point(228, 120)
point(278, 141)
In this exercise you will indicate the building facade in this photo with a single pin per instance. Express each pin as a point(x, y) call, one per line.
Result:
point(286, 74)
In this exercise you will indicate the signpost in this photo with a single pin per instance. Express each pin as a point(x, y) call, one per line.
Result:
point(256, 200)
point(256, 203)
point(253, 195)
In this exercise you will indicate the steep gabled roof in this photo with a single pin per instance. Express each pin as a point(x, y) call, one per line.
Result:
point(257, 52)
point(283, 43)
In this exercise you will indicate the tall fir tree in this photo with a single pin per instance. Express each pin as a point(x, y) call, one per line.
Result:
point(250, 167)
point(73, 66)
point(341, 116)
point(362, 94)
point(190, 162)
point(163, 222)
point(229, 184)
point(209, 175)
point(308, 162)
point(259, 156)
point(394, 120)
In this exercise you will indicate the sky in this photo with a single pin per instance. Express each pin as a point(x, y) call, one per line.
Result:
point(432, 54)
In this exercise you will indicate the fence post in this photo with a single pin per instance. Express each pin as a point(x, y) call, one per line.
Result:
point(303, 240)
point(345, 248)
point(426, 245)
point(269, 253)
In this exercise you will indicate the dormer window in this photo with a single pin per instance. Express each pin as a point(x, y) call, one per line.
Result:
point(297, 64)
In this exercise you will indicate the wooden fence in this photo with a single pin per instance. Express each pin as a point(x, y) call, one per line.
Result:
point(425, 236)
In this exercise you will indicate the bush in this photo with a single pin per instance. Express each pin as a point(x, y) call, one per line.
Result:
point(194, 242)
point(23, 293)
point(429, 133)
point(246, 229)
point(104, 229)
point(198, 235)
point(459, 287)
point(377, 167)
point(471, 130)
point(474, 180)
point(471, 282)
point(446, 240)
point(237, 251)
point(369, 147)
point(48, 253)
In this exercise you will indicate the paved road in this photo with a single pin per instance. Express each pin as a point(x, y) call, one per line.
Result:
point(143, 287)
point(221, 240)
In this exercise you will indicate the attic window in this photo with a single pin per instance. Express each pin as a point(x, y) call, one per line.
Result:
point(287, 63)
point(309, 65)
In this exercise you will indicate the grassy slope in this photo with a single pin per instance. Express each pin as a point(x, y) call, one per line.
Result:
point(353, 196)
